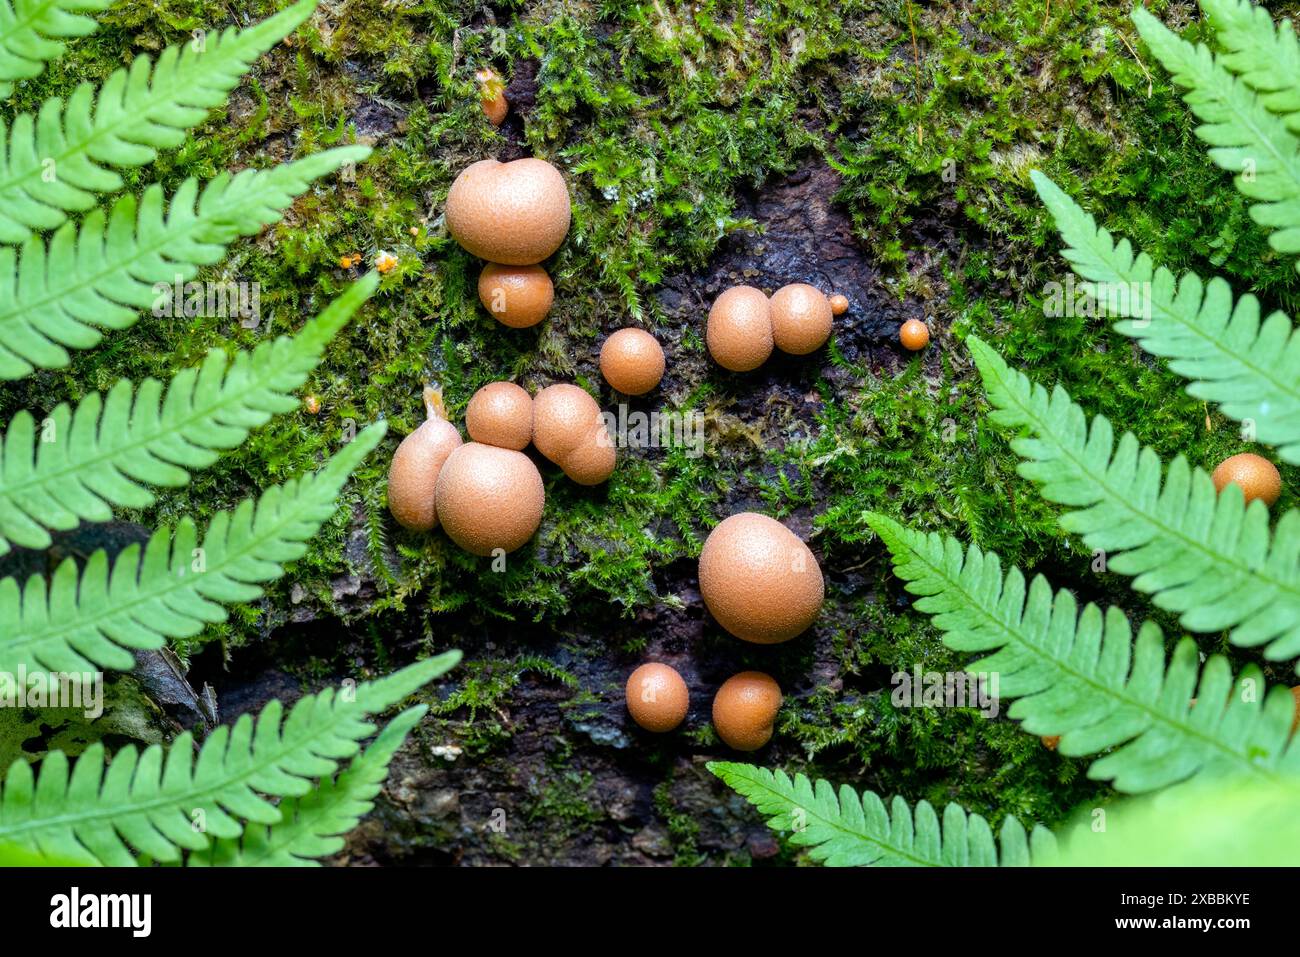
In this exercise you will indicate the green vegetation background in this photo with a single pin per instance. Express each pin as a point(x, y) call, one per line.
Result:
point(659, 113)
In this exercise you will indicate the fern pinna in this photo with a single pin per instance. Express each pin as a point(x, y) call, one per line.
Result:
point(1080, 674)
point(845, 829)
point(58, 294)
point(31, 32)
point(119, 444)
point(63, 291)
point(311, 826)
point(1209, 557)
point(158, 803)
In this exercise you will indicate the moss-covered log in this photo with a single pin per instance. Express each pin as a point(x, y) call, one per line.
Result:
point(876, 149)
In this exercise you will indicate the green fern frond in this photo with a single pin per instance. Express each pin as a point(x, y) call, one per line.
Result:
point(1251, 370)
point(173, 588)
point(1081, 675)
point(1246, 139)
point(57, 161)
point(157, 802)
point(77, 465)
point(848, 830)
point(30, 31)
point(102, 274)
point(310, 826)
point(1205, 556)
point(1265, 55)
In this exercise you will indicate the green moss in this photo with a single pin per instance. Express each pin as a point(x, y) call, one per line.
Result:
point(562, 804)
point(683, 828)
point(475, 710)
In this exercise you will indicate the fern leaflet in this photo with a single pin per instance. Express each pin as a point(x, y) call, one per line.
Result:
point(1082, 676)
point(58, 160)
point(28, 32)
point(102, 274)
point(310, 826)
point(848, 830)
point(1266, 56)
point(81, 463)
point(149, 800)
point(1245, 138)
point(176, 585)
point(1251, 370)
point(1205, 556)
